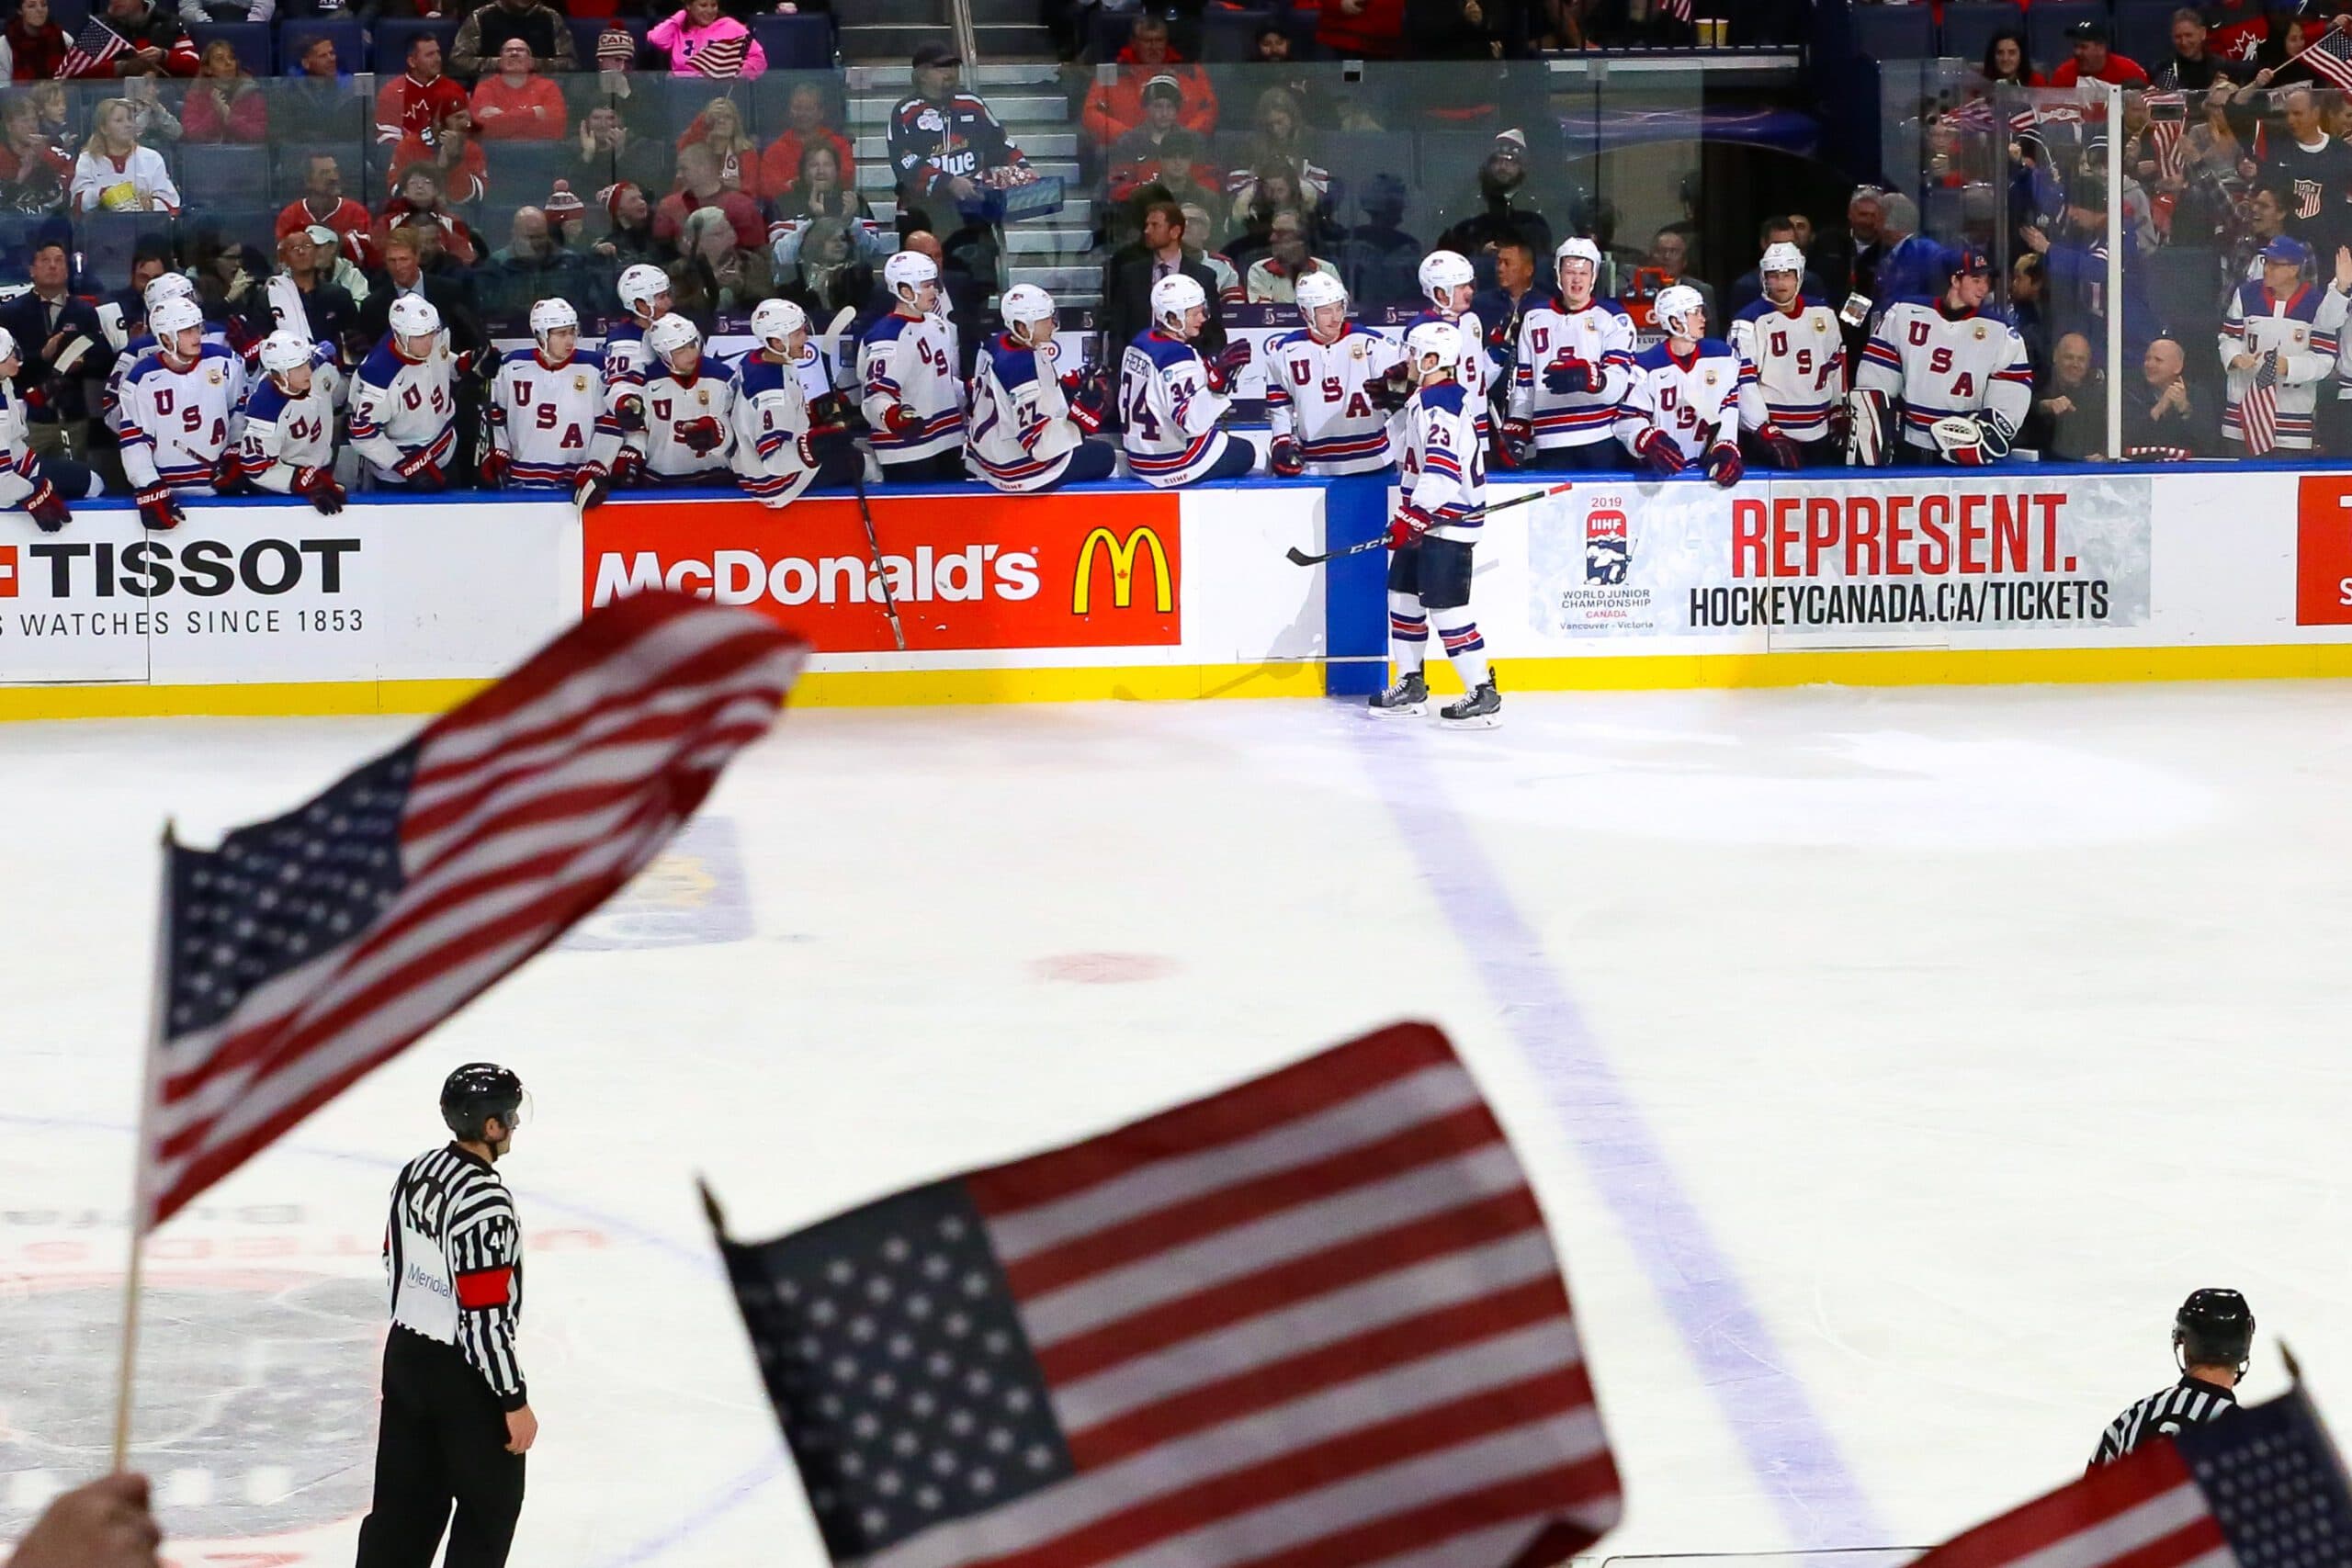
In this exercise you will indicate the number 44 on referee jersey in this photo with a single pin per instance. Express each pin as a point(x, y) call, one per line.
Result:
point(1315, 1317)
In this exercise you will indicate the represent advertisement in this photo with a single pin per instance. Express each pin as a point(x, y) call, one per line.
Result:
point(974, 572)
point(2323, 551)
point(240, 593)
point(1622, 558)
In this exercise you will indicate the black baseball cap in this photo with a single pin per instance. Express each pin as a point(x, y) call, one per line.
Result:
point(930, 52)
point(2088, 28)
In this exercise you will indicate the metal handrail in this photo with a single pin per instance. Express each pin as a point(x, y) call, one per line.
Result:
point(967, 38)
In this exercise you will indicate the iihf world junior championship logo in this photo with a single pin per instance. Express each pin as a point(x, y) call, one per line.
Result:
point(1608, 546)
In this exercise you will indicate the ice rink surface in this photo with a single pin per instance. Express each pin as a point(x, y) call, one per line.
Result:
point(1890, 1065)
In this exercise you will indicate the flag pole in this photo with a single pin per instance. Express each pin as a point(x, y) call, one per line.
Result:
point(134, 1274)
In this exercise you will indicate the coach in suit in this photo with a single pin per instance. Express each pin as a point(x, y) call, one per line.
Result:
point(47, 321)
point(1128, 276)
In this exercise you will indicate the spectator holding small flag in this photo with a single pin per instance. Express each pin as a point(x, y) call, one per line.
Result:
point(699, 41)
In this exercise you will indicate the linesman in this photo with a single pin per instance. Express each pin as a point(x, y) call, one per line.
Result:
point(2212, 1336)
point(457, 1418)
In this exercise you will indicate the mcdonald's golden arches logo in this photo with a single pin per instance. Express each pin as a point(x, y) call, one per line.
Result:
point(1123, 553)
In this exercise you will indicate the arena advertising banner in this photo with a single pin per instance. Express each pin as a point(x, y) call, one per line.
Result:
point(969, 572)
point(1933, 557)
point(258, 592)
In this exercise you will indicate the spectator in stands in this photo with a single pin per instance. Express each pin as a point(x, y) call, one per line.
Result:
point(514, 103)
point(322, 202)
point(699, 185)
point(2192, 66)
point(225, 103)
point(1377, 258)
point(2005, 62)
point(2094, 62)
point(818, 193)
point(452, 152)
point(329, 310)
point(2265, 219)
point(1128, 276)
point(720, 126)
point(34, 173)
point(48, 99)
point(1477, 223)
point(414, 104)
point(804, 124)
point(317, 101)
point(1199, 230)
point(1178, 170)
point(2311, 172)
point(1500, 308)
point(945, 144)
point(1361, 29)
point(1278, 138)
point(567, 217)
point(2075, 255)
point(2163, 420)
point(1115, 105)
point(2069, 417)
point(150, 116)
point(114, 173)
point(609, 153)
point(1464, 29)
point(403, 274)
point(1145, 142)
point(1749, 286)
point(1273, 55)
point(1852, 267)
point(1914, 265)
point(47, 321)
point(2026, 277)
point(36, 44)
point(699, 41)
point(159, 44)
point(1670, 259)
point(629, 237)
point(421, 198)
point(1274, 279)
point(1272, 191)
point(713, 273)
point(481, 40)
point(827, 275)
point(530, 266)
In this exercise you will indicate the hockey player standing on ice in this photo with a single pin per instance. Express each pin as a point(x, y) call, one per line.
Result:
point(286, 437)
point(455, 1419)
point(2212, 1336)
point(1960, 375)
point(176, 405)
point(911, 389)
point(1794, 409)
point(1683, 405)
point(1031, 415)
point(38, 485)
point(1571, 366)
point(404, 410)
point(550, 428)
point(689, 434)
point(1443, 475)
point(1321, 389)
point(2281, 334)
point(1447, 282)
point(780, 451)
point(1172, 399)
point(644, 293)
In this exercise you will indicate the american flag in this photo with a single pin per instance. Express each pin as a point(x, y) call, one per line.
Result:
point(2164, 135)
point(1315, 1319)
point(1679, 9)
point(722, 57)
point(2331, 57)
point(2260, 1489)
point(2258, 409)
point(91, 48)
point(307, 950)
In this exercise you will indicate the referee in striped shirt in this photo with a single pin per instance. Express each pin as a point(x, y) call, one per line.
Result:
point(2212, 1336)
point(455, 1419)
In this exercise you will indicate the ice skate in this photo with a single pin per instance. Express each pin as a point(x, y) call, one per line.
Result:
point(1481, 709)
point(1410, 697)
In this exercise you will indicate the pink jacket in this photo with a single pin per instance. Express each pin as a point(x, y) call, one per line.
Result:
point(684, 42)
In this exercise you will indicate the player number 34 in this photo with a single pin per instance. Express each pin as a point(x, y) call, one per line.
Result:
point(327, 620)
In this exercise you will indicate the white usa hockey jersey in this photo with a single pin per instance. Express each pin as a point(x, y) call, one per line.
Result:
point(550, 419)
point(1442, 468)
point(279, 435)
point(1022, 433)
point(1601, 334)
point(400, 407)
point(1172, 436)
point(175, 422)
point(1475, 370)
point(1318, 394)
point(1695, 401)
point(19, 469)
point(674, 402)
point(625, 359)
point(909, 362)
point(770, 411)
point(2305, 327)
point(1941, 364)
point(1799, 358)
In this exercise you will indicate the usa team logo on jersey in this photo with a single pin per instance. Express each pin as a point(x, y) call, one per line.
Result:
point(1608, 546)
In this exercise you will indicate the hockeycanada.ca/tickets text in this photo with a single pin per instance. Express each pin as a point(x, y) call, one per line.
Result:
point(1802, 605)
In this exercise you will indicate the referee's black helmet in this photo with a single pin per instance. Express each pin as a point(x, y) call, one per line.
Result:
point(474, 1093)
point(2214, 1329)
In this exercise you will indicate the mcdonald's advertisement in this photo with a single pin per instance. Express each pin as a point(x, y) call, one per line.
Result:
point(979, 572)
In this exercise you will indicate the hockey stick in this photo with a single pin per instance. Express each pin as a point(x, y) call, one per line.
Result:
point(1380, 541)
point(837, 328)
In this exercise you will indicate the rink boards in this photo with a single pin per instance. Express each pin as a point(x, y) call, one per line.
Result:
point(396, 605)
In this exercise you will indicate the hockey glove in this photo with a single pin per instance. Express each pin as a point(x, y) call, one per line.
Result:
point(1724, 465)
point(1514, 442)
point(1785, 452)
point(494, 465)
point(1404, 530)
point(899, 419)
point(317, 486)
point(48, 508)
point(630, 414)
point(1658, 449)
point(157, 509)
point(1227, 364)
point(421, 471)
point(702, 436)
point(1286, 461)
point(594, 483)
point(1089, 399)
point(228, 473)
point(628, 463)
point(1567, 374)
point(1392, 392)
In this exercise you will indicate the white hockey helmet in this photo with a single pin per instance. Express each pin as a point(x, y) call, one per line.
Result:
point(1442, 272)
point(285, 350)
point(173, 317)
point(1024, 305)
point(774, 321)
point(412, 315)
point(7, 345)
point(669, 334)
point(1576, 247)
point(552, 316)
point(1437, 340)
point(907, 271)
point(639, 286)
point(1674, 308)
point(1173, 296)
point(1781, 257)
point(167, 285)
point(1317, 290)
